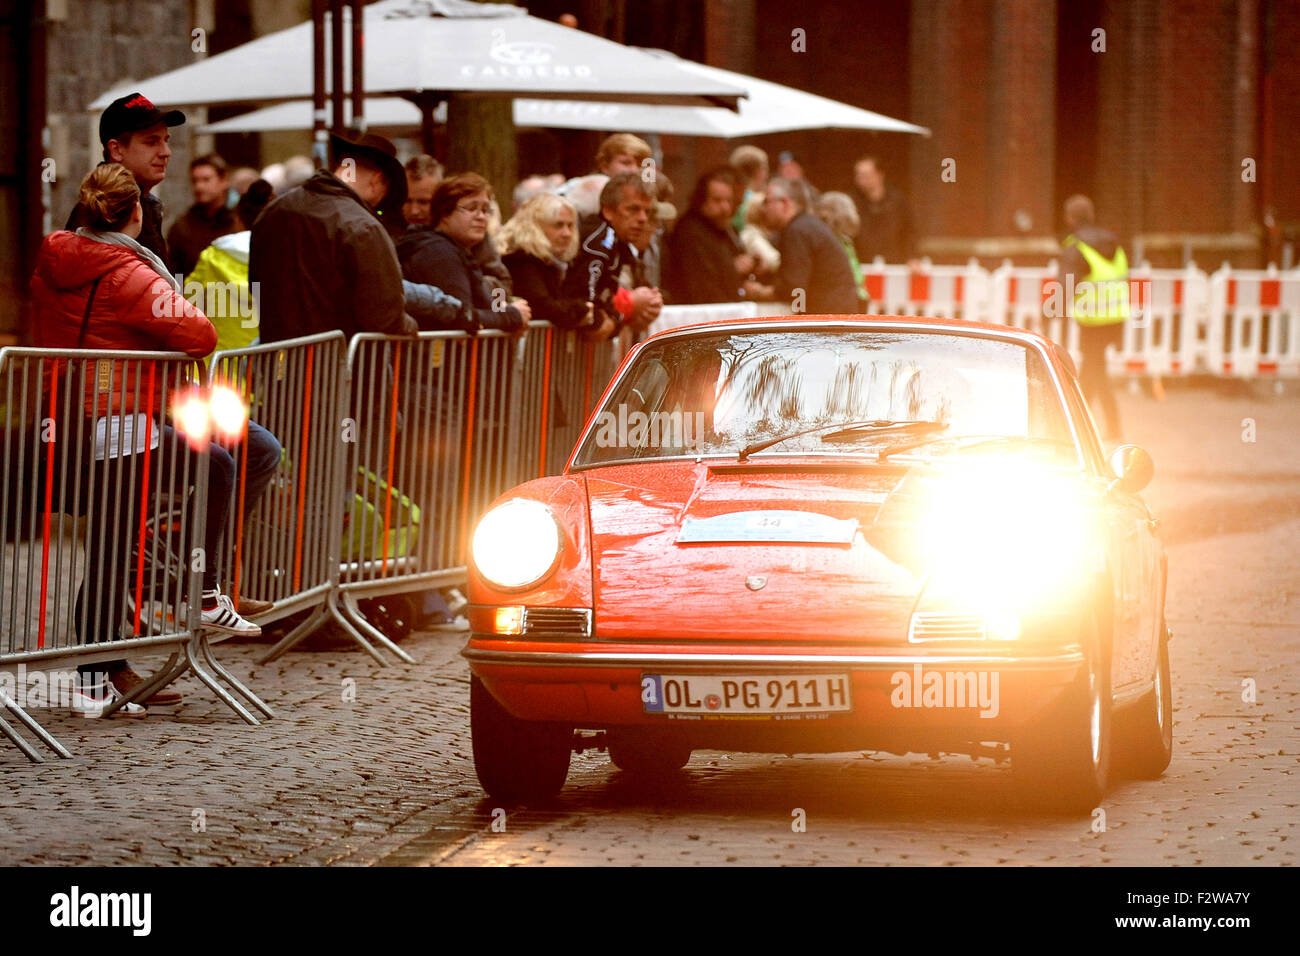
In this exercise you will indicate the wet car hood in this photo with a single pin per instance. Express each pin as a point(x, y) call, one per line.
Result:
point(798, 552)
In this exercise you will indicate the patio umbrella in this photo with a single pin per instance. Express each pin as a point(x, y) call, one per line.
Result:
point(768, 108)
point(426, 50)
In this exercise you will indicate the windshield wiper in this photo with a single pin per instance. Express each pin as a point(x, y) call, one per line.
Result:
point(842, 428)
point(884, 453)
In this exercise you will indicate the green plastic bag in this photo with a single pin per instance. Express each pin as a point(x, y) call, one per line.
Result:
point(363, 527)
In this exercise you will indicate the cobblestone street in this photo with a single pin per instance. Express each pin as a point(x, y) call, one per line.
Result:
point(389, 779)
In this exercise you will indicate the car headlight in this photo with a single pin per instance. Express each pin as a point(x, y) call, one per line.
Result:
point(517, 544)
point(1005, 541)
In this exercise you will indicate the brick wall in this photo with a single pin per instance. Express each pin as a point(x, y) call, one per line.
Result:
point(100, 44)
point(951, 61)
point(1280, 147)
point(855, 53)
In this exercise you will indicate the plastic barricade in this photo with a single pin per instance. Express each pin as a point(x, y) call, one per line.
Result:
point(676, 316)
point(1255, 323)
point(949, 292)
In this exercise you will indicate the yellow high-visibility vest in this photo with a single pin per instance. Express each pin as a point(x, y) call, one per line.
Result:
point(1102, 297)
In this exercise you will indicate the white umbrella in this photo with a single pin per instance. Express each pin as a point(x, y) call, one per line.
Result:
point(436, 47)
point(768, 108)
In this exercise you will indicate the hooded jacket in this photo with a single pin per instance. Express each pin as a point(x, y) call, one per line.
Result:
point(222, 270)
point(134, 308)
point(321, 260)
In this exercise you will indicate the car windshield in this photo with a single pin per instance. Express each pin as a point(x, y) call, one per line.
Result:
point(721, 393)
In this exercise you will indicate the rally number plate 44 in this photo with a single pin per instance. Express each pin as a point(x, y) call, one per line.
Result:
point(769, 695)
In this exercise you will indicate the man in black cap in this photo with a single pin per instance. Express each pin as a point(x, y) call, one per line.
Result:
point(320, 258)
point(134, 133)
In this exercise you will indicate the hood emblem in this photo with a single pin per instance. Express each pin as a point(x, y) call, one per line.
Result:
point(756, 582)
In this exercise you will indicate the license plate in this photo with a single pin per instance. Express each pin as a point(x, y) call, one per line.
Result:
point(759, 695)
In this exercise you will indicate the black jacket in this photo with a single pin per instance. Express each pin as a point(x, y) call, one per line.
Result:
point(699, 262)
point(151, 235)
point(432, 257)
point(593, 273)
point(886, 227)
point(193, 232)
point(812, 259)
point(321, 261)
point(541, 283)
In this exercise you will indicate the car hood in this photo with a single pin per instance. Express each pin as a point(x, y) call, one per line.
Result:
point(755, 554)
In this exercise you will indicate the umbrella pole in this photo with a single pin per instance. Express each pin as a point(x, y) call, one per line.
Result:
point(358, 69)
point(336, 65)
point(427, 105)
point(319, 136)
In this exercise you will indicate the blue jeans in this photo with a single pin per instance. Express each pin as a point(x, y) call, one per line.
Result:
point(108, 554)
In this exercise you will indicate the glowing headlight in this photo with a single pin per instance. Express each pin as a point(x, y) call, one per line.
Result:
point(516, 544)
point(1008, 539)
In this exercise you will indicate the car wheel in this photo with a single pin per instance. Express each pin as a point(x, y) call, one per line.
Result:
point(1063, 763)
point(647, 756)
point(1148, 729)
point(522, 761)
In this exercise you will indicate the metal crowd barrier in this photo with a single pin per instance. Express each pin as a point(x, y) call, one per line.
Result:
point(103, 507)
point(285, 547)
point(406, 428)
point(437, 426)
point(562, 375)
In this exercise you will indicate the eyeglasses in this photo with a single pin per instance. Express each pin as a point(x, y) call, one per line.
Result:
point(484, 210)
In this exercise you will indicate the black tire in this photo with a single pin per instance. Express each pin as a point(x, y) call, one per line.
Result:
point(1062, 764)
point(518, 761)
point(1146, 732)
point(645, 756)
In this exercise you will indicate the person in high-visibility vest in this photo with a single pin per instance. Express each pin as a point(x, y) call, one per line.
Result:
point(1094, 264)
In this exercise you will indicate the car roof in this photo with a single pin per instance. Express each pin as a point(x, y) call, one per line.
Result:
point(864, 321)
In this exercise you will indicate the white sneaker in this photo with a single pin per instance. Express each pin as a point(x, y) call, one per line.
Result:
point(225, 618)
point(83, 705)
point(456, 601)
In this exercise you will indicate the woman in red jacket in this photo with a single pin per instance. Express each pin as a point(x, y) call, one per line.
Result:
point(98, 288)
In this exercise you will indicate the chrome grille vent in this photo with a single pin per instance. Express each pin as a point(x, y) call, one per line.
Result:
point(561, 623)
point(942, 626)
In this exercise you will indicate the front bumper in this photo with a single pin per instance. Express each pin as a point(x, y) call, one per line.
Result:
point(600, 687)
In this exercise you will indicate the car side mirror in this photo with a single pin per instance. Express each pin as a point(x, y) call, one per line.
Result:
point(1132, 467)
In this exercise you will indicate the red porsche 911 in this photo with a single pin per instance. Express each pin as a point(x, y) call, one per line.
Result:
point(821, 534)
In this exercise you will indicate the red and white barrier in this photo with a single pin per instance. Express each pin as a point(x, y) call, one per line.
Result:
point(950, 292)
point(1254, 327)
point(1182, 322)
point(1167, 333)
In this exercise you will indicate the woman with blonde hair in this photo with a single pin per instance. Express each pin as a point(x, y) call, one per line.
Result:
point(840, 214)
point(537, 245)
point(99, 288)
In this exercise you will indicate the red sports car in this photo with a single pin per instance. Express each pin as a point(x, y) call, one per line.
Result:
point(820, 534)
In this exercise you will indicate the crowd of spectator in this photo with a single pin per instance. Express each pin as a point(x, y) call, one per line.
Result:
point(374, 244)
